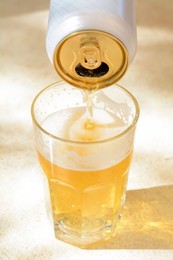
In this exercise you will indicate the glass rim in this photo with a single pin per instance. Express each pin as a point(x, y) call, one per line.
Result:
point(135, 120)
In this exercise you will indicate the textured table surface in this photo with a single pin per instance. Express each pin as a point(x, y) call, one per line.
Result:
point(146, 230)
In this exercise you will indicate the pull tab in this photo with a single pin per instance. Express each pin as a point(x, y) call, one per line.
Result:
point(90, 56)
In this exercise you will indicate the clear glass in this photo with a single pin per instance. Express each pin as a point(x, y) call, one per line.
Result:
point(86, 168)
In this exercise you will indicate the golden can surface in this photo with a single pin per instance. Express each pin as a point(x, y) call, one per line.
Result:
point(91, 59)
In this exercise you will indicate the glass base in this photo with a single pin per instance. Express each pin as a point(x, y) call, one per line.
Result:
point(85, 237)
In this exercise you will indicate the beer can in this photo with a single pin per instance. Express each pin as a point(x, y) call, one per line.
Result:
point(91, 43)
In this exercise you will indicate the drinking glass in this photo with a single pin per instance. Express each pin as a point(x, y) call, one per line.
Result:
point(85, 160)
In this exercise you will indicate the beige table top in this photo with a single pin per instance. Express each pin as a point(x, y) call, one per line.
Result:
point(147, 222)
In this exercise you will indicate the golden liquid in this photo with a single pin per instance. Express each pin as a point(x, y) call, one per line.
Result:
point(85, 202)
point(90, 124)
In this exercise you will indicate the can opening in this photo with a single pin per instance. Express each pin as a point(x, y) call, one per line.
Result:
point(91, 56)
point(95, 73)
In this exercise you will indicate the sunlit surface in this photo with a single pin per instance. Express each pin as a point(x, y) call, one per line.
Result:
point(147, 221)
point(24, 70)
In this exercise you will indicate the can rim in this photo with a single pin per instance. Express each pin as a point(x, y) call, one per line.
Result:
point(77, 80)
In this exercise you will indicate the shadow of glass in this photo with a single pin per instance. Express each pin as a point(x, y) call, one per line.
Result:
point(147, 221)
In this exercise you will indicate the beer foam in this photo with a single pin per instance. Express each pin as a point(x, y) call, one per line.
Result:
point(70, 124)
